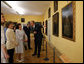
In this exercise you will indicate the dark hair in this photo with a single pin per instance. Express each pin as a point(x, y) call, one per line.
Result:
point(8, 23)
point(17, 27)
point(28, 23)
point(1, 13)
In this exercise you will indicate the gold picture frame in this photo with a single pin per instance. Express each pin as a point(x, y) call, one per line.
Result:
point(69, 12)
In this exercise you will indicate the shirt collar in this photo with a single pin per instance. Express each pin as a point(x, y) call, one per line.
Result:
point(34, 26)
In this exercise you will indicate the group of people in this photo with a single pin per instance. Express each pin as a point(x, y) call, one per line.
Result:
point(13, 38)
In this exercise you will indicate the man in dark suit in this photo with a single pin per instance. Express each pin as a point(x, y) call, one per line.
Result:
point(27, 31)
point(38, 38)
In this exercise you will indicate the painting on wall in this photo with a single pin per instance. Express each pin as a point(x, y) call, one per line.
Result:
point(22, 19)
point(49, 12)
point(46, 29)
point(43, 27)
point(68, 21)
point(56, 24)
point(55, 6)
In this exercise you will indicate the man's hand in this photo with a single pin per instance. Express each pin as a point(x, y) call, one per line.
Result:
point(35, 32)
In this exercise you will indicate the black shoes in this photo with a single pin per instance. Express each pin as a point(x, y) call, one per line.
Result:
point(30, 48)
point(34, 54)
point(38, 56)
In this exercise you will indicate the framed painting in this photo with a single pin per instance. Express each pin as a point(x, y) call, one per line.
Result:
point(55, 6)
point(68, 21)
point(49, 12)
point(22, 19)
point(43, 27)
point(46, 29)
point(56, 24)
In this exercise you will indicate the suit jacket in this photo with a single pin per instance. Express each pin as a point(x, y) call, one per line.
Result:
point(26, 30)
point(38, 30)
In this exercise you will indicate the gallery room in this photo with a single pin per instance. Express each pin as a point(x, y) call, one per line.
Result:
point(41, 31)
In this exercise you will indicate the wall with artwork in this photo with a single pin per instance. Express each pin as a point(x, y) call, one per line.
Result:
point(17, 18)
point(55, 20)
point(46, 29)
point(43, 27)
point(70, 34)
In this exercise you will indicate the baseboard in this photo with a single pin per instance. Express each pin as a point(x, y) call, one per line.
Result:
point(65, 59)
point(61, 56)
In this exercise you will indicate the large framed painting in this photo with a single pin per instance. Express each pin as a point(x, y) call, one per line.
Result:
point(46, 29)
point(43, 27)
point(68, 21)
point(56, 24)
point(49, 12)
point(55, 6)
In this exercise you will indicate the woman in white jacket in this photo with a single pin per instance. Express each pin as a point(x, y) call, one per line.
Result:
point(21, 38)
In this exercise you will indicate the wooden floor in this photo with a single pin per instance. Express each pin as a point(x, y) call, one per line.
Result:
point(28, 58)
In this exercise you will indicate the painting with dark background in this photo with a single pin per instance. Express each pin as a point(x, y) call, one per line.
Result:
point(43, 28)
point(55, 6)
point(49, 12)
point(22, 19)
point(67, 21)
point(56, 24)
point(46, 22)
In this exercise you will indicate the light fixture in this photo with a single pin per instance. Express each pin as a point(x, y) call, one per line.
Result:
point(14, 6)
point(7, 4)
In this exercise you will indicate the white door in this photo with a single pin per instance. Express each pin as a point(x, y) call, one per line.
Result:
point(49, 30)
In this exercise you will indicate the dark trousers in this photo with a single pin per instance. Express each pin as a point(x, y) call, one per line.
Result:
point(11, 54)
point(29, 42)
point(38, 42)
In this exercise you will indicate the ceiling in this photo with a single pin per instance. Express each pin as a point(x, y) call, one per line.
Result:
point(29, 7)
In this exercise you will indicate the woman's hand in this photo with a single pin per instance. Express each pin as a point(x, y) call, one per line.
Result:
point(17, 44)
point(25, 40)
point(6, 56)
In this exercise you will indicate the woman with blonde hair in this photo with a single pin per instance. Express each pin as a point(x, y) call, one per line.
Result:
point(11, 41)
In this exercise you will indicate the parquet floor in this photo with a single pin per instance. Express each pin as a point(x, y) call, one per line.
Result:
point(28, 58)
